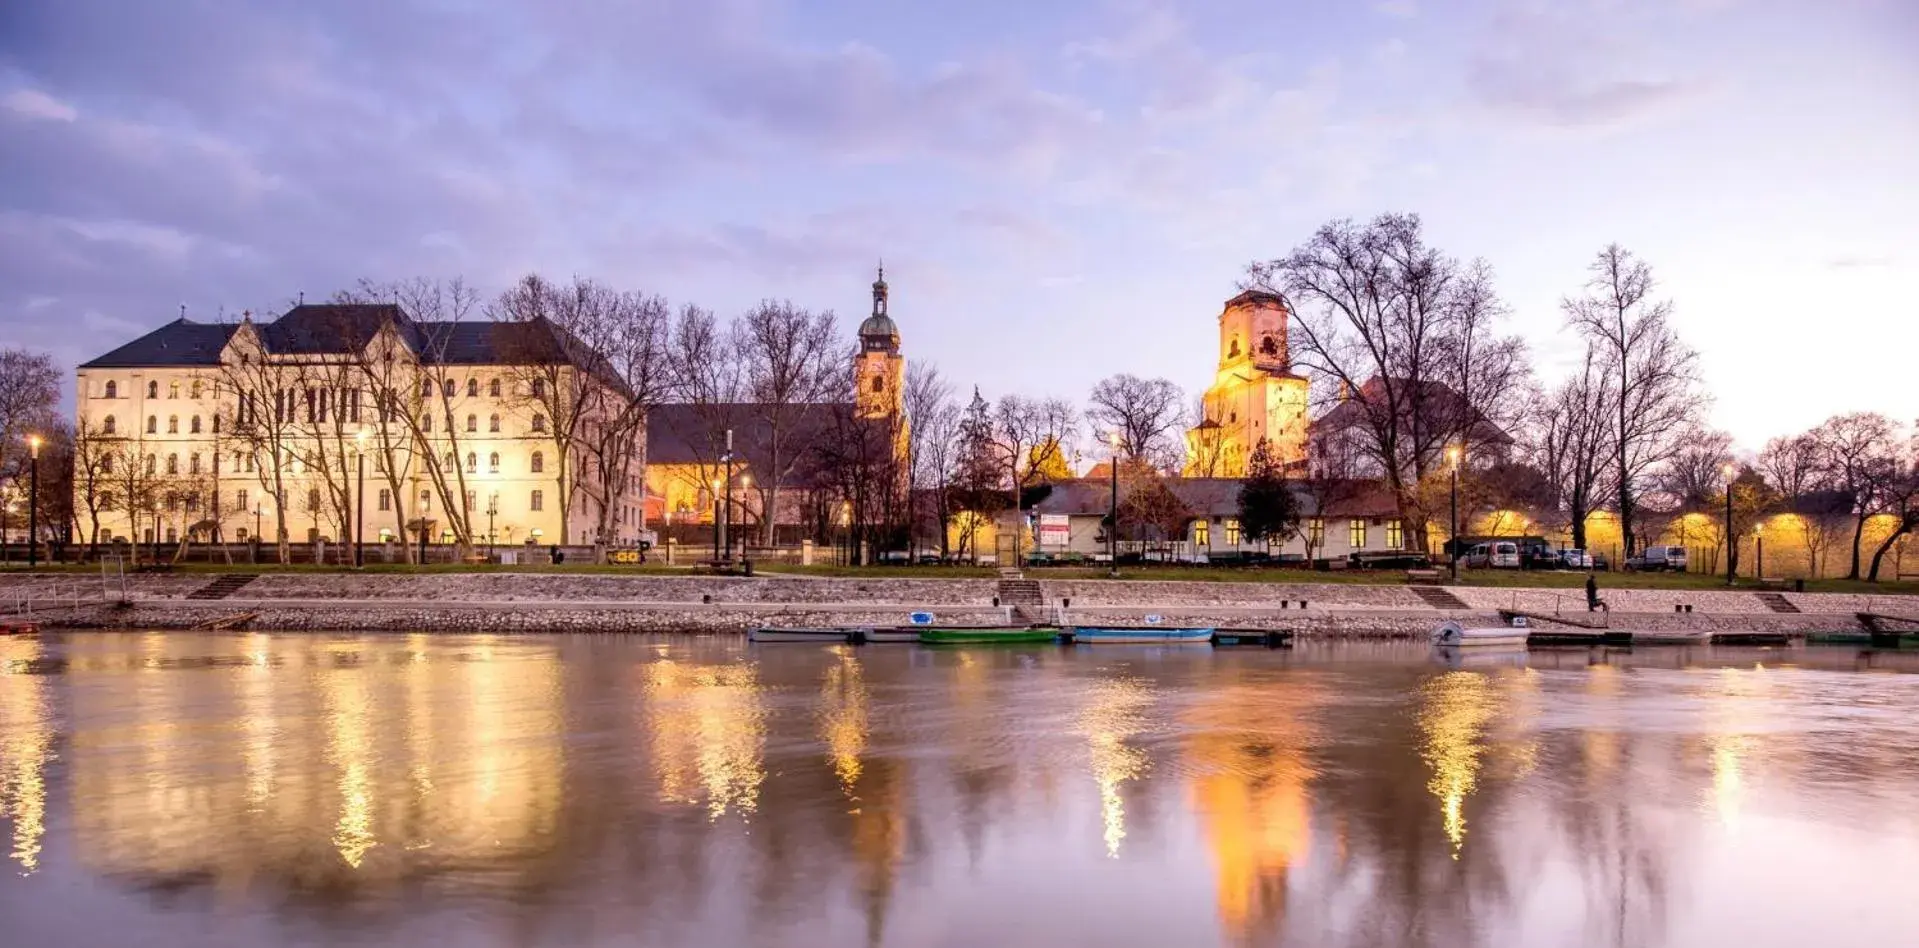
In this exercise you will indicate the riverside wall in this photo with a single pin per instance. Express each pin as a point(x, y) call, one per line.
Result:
point(549, 602)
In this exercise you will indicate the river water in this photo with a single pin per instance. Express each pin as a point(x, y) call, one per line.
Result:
point(194, 790)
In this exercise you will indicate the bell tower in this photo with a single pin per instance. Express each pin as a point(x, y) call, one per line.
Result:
point(879, 371)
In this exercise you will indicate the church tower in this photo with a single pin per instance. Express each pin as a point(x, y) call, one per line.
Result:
point(1254, 393)
point(879, 371)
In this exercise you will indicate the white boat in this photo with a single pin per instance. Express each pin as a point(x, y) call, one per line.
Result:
point(771, 634)
point(1454, 635)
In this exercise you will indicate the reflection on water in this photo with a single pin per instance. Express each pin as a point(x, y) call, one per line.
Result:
point(307, 790)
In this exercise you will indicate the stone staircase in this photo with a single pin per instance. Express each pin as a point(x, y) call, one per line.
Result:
point(1027, 599)
point(1438, 597)
point(223, 587)
point(1777, 602)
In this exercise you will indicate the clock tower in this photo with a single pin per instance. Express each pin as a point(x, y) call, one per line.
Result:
point(879, 371)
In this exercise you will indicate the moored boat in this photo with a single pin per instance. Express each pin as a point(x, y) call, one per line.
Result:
point(1454, 635)
point(13, 625)
point(888, 635)
point(989, 635)
point(1140, 635)
point(775, 634)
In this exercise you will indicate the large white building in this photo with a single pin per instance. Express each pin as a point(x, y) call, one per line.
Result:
point(472, 433)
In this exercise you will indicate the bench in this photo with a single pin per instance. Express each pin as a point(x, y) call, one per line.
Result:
point(1413, 575)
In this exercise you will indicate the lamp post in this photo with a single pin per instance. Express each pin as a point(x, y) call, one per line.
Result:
point(1112, 513)
point(746, 484)
point(33, 502)
point(359, 509)
point(717, 532)
point(492, 510)
point(724, 545)
point(1732, 540)
point(846, 531)
point(1452, 539)
point(1758, 553)
point(423, 510)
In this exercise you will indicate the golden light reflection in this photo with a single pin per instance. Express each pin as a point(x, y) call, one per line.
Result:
point(1251, 780)
point(26, 745)
point(1737, 706)
point(708, 724)
point(349, 739)
point(1116, 712)
point(843, 724)
point(1601, 745)
point(1457, 707)
point(257, 724)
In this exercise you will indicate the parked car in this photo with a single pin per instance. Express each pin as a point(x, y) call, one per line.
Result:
point(1575, 558)
point(1535, 554)
point(1498, 554)
point(1659, 559)
point(1599, 562)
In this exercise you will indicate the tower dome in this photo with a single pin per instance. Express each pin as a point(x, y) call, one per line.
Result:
point(879, 330)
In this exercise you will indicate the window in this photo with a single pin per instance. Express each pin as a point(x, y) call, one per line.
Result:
point(193, 464)
point(426, 388)
point(1202, 533)
point(240, 534)
point(386, 500)
point(493, 463)
point(879, 383)
point(493, 424)
point(426, 422)
point(492, 388)
point(539, 422)
point(216, 424)
point(249, 464)
point(472, 423)
point(539, 388)
point(473, 388)
point(113, 389)
point(192, 501)
point(173, 424)
point(1356, 534)
point(470, 497)
point(539, 462)
point(107, 426)
point(1315, 532)
point(472, 463)
point(313, 500)
point(1232, 531)
point(193, 424)
point(1395, 537)
point(446, 388)
point(106, 464)
point(170, 502)
point(173, 389)
point(539, 500)
point(106, 500)
point(153, 424)
point(353, 407)
point(153, 389)
point(426, 501)
point(240, 500)
point(151, 459)
point(173, 464)
point(195, 388)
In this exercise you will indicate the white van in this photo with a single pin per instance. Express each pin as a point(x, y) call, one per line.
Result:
point(1505, 555)
point(1665, 557)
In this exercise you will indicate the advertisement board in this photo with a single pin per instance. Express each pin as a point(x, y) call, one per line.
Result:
point(1055, 531)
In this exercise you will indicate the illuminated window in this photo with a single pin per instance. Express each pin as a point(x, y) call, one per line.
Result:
point(1232, 531)
point(1316, 532)
point(426, 501)
point(173, 389)
point(1356, 531)
point(1202, 533)
point(196, 388)
point(1395, 538)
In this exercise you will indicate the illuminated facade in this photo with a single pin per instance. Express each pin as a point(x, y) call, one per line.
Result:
point(1254, 394)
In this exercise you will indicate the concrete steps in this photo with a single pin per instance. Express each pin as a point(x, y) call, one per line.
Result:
point(1777, 602)
point(1438, 597)
point(223, 587)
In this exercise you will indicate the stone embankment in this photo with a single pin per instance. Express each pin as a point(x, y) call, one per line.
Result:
point(548, 602)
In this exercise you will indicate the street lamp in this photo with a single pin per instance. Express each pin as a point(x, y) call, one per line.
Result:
point(33, 503)
point(1732, 540)
point(746, 484)
point(359, 509)
point(1112, 513)
point(726, 503)
point(718, 532)
point(1452, 539)
point(492, 510)
point(423, 509)
point(1758, 553)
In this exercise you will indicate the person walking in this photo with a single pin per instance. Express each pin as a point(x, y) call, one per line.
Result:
point(1593, 602)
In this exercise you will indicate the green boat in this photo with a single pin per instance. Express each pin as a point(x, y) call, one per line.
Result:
point(1043, 634)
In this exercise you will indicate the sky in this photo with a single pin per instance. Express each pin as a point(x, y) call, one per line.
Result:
point(1060, 191)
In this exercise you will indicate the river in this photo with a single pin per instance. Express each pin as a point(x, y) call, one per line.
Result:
point(194, 790)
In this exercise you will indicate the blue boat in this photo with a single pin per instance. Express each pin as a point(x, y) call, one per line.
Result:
point(1141, 635)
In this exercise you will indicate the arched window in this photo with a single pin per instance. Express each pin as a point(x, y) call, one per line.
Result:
point(1269, 346)
point(539, 388)
point(106, 465)
point(193, 424)
point(473, 388)
point(113, 389)
point(173, 424)
point(216, 424)
point(106, 500)
point(539, 462)
point(493, 424)
point(472, 423)
point(1233, 352)
point(193, 464)
point(153, 424)
point(492, 388)
point(426, 388)
point(539, 422)
point(195, 388)
point(879, 383)
point(173, 464)
point(446, 388)
point(493, 463)
point(173, 389)
point(426, 422)
point(472, 463)
point(107, 426)
point(153, 389)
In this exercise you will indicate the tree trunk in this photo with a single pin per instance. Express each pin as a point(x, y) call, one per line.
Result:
point(1906, 525)
point(1858, 540)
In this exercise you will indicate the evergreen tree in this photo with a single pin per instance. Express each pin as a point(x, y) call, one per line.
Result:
point(1267, 509)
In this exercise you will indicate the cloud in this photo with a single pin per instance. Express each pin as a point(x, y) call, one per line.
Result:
point(1584, 63)
point(34, 104)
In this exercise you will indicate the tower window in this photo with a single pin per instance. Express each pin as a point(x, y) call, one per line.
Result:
point(879, 384)
point(113, 389)
point(1269, 346)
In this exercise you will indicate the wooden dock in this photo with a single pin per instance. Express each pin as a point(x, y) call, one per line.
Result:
point(1887, 630)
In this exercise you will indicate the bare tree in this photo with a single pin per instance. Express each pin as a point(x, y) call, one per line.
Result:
point(132, 479)
point(1570, 445)
point(1032, 436)
point(1899, 497)
point(29, 391)
point(94, 453)
point(1696, 472)
point(708, 376)
point(794, 361)
point(1793, 467)
point(1207, 448)
point(259, 421)
point(1652, 375)
point(1144, 412)
point(1407, 333)
point(932, 419)
point(1859, 458)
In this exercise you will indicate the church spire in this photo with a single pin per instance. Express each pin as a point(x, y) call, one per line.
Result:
point(879, 291)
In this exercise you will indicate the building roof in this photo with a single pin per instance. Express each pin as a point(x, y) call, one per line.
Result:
point(1217, 497)
point(182, 342)
point(1444, 408)
point(880, 324)
point(685, 433)
point(1254, 297)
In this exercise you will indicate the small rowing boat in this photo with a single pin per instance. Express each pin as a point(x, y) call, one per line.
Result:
point(1454, 635)
point(990, 635)
point(1140, 635)
point(888, 635)
point(773, 635)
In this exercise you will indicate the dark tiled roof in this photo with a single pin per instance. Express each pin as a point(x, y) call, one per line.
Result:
point(682, 433)
point(181, 342)
point(1444, 409)
point(312, 329)
point(1213, 496)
